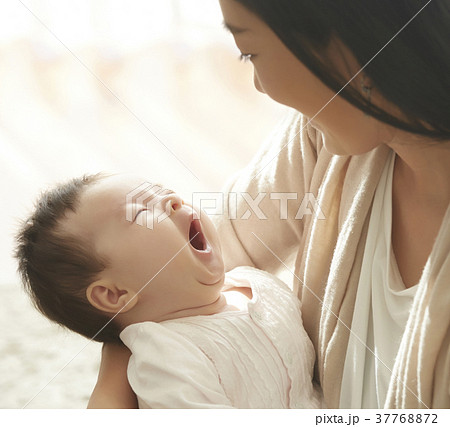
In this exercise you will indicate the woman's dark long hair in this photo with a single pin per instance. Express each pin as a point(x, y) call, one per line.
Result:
point(412, 71)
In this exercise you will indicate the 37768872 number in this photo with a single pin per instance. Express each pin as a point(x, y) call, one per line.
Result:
point(407, 418)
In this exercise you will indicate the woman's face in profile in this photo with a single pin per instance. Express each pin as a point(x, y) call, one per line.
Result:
point(280, 75)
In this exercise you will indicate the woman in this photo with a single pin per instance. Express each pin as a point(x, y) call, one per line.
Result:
point(373, 276)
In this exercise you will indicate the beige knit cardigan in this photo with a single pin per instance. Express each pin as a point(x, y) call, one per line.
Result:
point(329, 254)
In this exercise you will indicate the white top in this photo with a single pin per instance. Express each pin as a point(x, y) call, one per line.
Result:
point(260, 357)
point(382, 308)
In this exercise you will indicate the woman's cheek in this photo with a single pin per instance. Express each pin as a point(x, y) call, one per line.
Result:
point(265, 82)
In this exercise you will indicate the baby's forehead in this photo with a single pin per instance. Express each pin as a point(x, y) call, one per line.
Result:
point(127, 185)
point(114, 189)
point(96, 205)
point(109, 197)
point(113, 193)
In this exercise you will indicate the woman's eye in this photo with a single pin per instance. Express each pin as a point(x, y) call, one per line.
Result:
point(244, 57)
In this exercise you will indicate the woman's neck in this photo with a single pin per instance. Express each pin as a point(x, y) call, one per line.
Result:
point(423, 169)
point(420, 198)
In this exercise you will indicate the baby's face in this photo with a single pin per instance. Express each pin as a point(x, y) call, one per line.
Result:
point(170, 268)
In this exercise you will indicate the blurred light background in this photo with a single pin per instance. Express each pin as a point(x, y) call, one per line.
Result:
point(152, 87)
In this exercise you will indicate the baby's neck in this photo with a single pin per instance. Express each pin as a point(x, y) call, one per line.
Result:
point(218, 306)
point(232, 298)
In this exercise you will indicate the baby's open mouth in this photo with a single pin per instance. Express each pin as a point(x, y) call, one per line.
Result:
point(196, 237)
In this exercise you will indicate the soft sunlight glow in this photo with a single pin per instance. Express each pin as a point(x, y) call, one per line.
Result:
point(148, 86)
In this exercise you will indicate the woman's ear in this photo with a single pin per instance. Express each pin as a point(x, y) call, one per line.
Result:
point(106, 296)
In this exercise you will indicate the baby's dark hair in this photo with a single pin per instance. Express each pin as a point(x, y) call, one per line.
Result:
point(56, 268)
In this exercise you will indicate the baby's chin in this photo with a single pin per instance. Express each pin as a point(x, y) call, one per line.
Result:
point(215, 276)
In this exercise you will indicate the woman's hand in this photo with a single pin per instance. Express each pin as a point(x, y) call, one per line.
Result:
point(112, 390)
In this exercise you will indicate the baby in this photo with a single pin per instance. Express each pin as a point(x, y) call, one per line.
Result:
point(96, 261)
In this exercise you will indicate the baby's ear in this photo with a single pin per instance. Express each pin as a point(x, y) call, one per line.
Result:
point(106, 296)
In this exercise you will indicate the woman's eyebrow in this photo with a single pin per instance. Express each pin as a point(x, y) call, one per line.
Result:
point(233, 29)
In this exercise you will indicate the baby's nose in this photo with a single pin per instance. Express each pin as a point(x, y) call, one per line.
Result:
point(174, 202)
